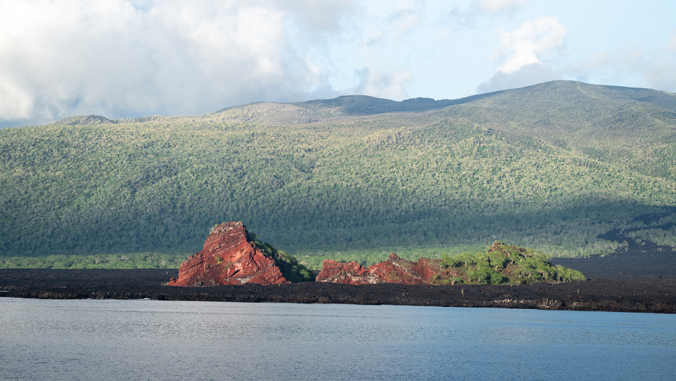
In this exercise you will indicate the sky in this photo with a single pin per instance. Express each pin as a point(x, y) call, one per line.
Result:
point(124, 58)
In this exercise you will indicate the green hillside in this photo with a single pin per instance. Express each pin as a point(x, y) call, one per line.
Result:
point(550, 167)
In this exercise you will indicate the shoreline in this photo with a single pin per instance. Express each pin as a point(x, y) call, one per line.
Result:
point(626, 295)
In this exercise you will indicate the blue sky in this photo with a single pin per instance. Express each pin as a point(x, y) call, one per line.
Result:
point(122, 58)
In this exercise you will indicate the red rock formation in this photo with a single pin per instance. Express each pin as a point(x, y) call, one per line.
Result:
point(393, 270)
point(397, 270)
point(346, 273)
point(229, 257)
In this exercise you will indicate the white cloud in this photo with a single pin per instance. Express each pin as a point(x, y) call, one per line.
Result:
point(607, 64)
point(526, 75)
point(322, 15)
point(526, 54)
point(529, 56)
point(501, 6)
point(406, 16)
point(125, 58)
point(629, 66)
point(389, 23)
point(15, 103)
point(531, 42)
point(671, 44)
point(382, 84)
point(373, 36)
point(481, 10)
point(662, 76)
point(391, 20)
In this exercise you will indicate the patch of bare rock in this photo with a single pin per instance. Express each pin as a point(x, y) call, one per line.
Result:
point(393, 270)
point(229, 257)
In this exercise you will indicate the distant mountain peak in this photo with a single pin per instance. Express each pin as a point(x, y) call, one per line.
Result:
point(85, 120)
point(560, 93)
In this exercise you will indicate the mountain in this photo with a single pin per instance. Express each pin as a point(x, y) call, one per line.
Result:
point(550, 166)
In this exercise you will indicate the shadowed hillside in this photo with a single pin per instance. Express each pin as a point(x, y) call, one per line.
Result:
point(551, 166)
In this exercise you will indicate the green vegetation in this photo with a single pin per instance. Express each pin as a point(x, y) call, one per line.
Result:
point(506, 264)
point(661, 232)
point(288, 264)
point(368, 257)
point(551, 166)
point(98, 261)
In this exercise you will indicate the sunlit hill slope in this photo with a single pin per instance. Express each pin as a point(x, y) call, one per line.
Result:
point(548, 167)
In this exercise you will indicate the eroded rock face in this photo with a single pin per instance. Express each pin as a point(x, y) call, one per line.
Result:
point(393, 270)
point(229, 257)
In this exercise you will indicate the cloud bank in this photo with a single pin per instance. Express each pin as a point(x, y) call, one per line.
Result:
point(126, 58)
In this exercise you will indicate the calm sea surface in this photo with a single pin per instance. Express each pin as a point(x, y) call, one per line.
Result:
point(144, 339)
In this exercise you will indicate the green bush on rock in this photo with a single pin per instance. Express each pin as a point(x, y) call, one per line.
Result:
point(505, 264)
point(292, 270)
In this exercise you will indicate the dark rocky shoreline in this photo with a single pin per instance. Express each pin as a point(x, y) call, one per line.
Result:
point(626, 295)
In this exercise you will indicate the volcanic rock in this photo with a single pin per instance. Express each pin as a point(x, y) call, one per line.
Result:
point(397, 270)
point(229, 257)
point(393, 270)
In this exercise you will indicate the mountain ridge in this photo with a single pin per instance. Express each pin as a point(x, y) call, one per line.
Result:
point(364, 105)
point(550, 166)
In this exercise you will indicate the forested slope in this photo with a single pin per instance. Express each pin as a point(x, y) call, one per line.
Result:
point(548, 167)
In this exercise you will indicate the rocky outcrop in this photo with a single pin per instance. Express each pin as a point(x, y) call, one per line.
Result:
point(500, 263)
point(393, 270)
point(229, 257)
point(346, 273)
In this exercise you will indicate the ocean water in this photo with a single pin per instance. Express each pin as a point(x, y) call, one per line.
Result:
point(164, 340)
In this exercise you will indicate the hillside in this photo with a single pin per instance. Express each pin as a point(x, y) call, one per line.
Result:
point(551, 166)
